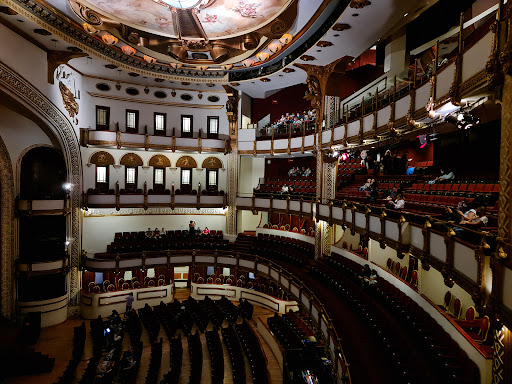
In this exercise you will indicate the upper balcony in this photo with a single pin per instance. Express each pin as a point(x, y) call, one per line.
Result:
point(200, 143)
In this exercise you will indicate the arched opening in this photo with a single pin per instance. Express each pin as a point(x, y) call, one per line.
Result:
point(43, 174)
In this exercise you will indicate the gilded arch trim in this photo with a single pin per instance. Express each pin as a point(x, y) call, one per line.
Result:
point(131, 160)
point(212, 162)
point(186, 162)
point(159, 161)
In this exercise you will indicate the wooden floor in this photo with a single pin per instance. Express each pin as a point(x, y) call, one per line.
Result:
point(57, 342)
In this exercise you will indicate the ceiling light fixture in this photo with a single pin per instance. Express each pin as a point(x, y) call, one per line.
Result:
point(286, 38)
point(275, 47)
point(109, 39)
point(149, 59)
point(127, 50)
point(89, 29)
point(248, 62)
point(262, 56)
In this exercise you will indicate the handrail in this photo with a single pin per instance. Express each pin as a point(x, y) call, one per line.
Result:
point(339, 356)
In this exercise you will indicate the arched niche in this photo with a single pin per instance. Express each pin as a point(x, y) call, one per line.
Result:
point(159, 161)
point(212, 163)
point(102, 158)
point(131, 160)
point(186, 162)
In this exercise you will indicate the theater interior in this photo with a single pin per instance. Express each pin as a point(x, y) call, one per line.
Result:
point(247, 191)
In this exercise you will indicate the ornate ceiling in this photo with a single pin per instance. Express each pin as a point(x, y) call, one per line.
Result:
point(204, 42)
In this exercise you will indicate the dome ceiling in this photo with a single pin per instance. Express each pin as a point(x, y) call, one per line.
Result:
point(209, 34)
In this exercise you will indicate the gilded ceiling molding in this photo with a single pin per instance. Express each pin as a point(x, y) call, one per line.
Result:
point(103, 212)
point(154, 102)
point(26, 94)
point(7, 235)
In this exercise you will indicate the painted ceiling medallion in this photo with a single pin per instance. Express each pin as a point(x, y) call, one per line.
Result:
point(324, 44)
point(340, 27)
point(307, 58)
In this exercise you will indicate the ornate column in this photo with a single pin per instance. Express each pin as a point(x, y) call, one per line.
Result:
point(231, 151)
point(499, 76)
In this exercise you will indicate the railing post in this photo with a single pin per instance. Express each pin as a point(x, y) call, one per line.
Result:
point(145, 195)
point(118, 197)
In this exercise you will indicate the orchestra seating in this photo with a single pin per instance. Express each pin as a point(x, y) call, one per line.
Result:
point(176, 352)
point(79, 335)
point(254, 353)
point(196, 358)
point(216, 353)
point(293, 251)
point(346, 170)
point(284, 333)
point(236, 354)
point(155, 362)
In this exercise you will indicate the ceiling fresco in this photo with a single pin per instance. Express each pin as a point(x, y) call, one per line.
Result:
point(218, 18)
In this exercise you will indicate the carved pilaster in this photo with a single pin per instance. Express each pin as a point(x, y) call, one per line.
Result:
point(329, 181)
point(232, 183)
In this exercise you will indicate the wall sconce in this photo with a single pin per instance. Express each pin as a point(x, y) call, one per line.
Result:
point(262, 56)
point(146, 90)
point(286, 38)
point(202, 67)
point(227, 67)
point(127, 50)
point(248, 62)
point(109, 39)
point(175, 65)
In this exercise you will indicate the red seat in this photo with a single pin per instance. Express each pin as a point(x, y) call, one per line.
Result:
point(496, 188)
point(471, 187)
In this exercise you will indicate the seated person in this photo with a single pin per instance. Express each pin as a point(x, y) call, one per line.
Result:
point(372, 279)
point(366, 272)
point(198, 231)
point(366, 186)
point(398, 203)
point(466, 216)
point(393, 194)
point(156, 233)
point(149, 233)
point(478, 220)
point(162, 232)
point(285, 189)
point(292, 172)
point(307, 172)
point(206, 231)
point(444, 177)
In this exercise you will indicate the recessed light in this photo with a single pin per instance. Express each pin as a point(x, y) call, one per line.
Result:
point(355, 14)
point(319, 50)
point(405, 14)
point(336, 35)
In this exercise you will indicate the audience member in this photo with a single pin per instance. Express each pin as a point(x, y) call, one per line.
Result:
point(149, 233)
point(206, 231)
point(366, 186)
point(444, 177)
point(285, 189)
point(398, 203)
point(192, 228)
point(307, 172)
point(393, 194)
point(129, 302)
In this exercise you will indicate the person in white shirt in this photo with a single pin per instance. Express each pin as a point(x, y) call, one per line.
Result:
point(285, 189)
point(399, 203)
point(444, 177)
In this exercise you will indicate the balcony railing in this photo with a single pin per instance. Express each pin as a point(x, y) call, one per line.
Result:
point(147, 200)
point(156, 142)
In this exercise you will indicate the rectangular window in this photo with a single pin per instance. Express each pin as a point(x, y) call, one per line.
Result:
point(127, 275)
point(132, 121)
point(160, 123)
point(212, 127)
point(212, 178)
point(101, 174)
point(186, 126)
point(102, 117)
point(186, 176)
point(130, 175)
point(159, 176)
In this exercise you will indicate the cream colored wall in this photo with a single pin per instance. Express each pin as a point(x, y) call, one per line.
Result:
point(246, 221)
point(347, 237)
point(251, 169)
point(97, 232)
point(432, 285)
point(380, 256)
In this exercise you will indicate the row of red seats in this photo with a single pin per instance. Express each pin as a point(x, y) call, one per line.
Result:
point(297, 190)
point(464, 188)
point(294, 183)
